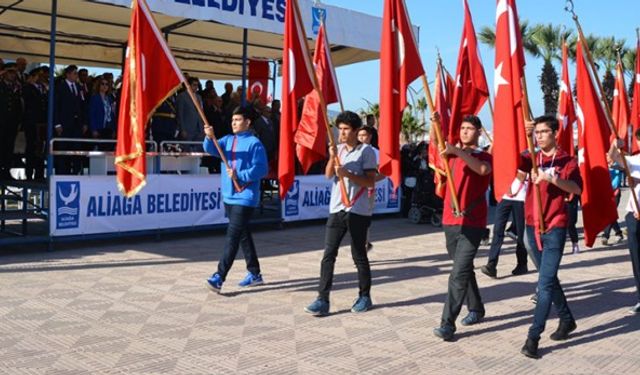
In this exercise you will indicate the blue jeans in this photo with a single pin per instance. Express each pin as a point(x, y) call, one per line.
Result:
point(549, 289)
point(504, 211)
point(238, 234)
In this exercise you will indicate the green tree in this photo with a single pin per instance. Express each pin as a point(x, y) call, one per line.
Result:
point(606, 53)
point(629, 61)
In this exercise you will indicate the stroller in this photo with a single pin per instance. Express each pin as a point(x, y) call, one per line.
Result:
point(425, 205)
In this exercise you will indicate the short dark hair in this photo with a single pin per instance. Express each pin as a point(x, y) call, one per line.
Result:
point(70, 69)
point(83, 70)
point(349, 118)
point(473, 120)
point(367, 128)
point(550, 120)
point(192, 80)
point(245, 112)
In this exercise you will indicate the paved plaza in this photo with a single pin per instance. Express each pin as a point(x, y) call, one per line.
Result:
point(135, 307)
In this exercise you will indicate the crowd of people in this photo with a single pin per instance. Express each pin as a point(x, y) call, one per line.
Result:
point(86, 107)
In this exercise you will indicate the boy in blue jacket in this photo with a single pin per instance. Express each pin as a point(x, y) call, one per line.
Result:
point(247, 165)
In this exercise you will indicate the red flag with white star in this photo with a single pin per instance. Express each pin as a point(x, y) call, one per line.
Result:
point(509, 139)
point(566, 108)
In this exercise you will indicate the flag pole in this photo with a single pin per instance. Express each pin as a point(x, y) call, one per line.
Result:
point(437, 126)
point(323, 104)
point(333, 71)
point(526, 112)
point(213, 138)
point(603, 100)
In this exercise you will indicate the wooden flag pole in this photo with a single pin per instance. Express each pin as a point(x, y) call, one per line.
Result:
point(526, 112)
point(326, 43)
point(332, 141)
point(214, 139)
point(603, 99)
point(437, 126)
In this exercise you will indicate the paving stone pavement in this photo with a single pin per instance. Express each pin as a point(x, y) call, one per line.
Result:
point(143, 308)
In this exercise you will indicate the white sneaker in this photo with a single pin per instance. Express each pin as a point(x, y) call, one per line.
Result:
point(576, 248)
point(635, 309)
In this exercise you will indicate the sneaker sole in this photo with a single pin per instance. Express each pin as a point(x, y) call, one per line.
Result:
point(256, 283)
point(316, 313)
point(211, 287)
point(361, 311)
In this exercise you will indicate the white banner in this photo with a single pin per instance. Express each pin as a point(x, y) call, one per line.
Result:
point(309, 198)
point(93, 204)
point(268, 15)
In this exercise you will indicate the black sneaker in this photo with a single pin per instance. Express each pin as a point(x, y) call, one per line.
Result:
point(530, 349)
point(563, 331)
point(474, 317)
point(444, 332)
point(489, 271)
point(519, 270)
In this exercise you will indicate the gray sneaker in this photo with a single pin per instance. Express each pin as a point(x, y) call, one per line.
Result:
point(362, 304)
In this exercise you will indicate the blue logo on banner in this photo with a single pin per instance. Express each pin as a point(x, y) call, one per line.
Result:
point(292, 199)
point(392, 202)
point(319, 16)
point(67, 204)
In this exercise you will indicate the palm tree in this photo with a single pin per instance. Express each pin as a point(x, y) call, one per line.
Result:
point(487, 35)
point(411, 126)
point(629, 57)
point(421, 109)
point(606, 52)
point(548, 39)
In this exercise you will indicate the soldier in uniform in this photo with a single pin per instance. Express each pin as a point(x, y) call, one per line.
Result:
point(10, 117)
point(164, 125)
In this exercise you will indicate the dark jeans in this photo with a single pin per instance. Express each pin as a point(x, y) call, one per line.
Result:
point(615, 226)
point(462, 246)
point(632, 234)
point(238, 234)
point(337, 226)
point(573, 218)
point(504, 210)
point(549, 289)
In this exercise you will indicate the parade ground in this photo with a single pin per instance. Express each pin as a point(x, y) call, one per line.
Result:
point(142, 307)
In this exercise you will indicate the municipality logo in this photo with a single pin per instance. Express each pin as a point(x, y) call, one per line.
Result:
point(319, 16)
point(67, 204)
point(291, 201)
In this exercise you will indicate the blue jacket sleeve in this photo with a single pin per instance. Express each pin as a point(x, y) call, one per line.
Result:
point(258, 167)
point(95, 113)
point(210, 148)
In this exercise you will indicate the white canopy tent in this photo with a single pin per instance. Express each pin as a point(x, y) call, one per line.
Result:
point(206, 36)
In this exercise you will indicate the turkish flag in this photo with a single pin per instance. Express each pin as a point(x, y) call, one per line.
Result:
point(258, 80)
point(297, 82)
point(311, 136)
point(400, 65)
point(598, 206)
point(509, 138)
point(566, 109)
point(620, 108)
point(471, 90)
point(443, 95)
point(148, 57)
point(635, 106)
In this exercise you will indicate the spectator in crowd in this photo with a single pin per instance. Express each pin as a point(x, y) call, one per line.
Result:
point(264, 130)
point(102, 113)
point(34, 95)
point(84, 81)
point(10, 117)
point(216, 117)
point(209, 89)
point(189, 120)
point(226, 97)
point(21, 66)
point(164, 125)
point(69, 119)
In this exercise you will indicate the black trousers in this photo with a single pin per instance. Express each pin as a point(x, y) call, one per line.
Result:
point(337, 226)
point(504, 210)
point(238, 235)
point(573, 219)
point(615, 226)
point(462, 246)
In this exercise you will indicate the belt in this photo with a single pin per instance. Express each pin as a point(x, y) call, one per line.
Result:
point(165, 115)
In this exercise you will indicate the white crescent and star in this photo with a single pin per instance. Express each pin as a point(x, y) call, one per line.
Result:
point(498, 79)
point(292, 71)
